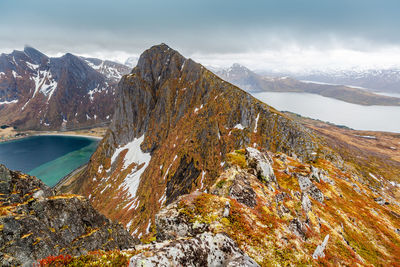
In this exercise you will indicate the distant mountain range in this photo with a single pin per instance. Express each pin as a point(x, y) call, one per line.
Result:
point(41, 93)
point(253, 82)
point(382, 80)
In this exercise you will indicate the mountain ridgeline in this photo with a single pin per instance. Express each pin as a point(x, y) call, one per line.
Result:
point(253, 82)
point(48, 93)
point(174, 125)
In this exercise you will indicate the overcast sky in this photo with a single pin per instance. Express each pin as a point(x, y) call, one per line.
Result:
point(261, 34)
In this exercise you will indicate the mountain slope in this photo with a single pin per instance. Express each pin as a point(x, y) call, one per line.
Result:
point(307, 214)
point(34, 223)
point(252, 82)
point(38, 92)
point(174, 125)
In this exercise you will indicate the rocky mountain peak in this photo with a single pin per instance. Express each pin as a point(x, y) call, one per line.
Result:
point(174, 124)
point(158, 60)
point(36, 56)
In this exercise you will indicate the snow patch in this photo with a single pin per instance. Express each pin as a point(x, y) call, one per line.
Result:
point(16, 74)
point(32, 66)
point(255, 127)
point(148, 227)
point(373, 176)
point(8, 102)
point(366, 136)
point(133, 155)
point(203, 173)
point(239, 126)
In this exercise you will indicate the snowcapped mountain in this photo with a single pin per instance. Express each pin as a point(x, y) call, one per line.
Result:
point(383, 80)
point(112, 70)
point(40, 92)
point(253, 82)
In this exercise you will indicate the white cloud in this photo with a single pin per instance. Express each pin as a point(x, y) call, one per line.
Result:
point(298, 59)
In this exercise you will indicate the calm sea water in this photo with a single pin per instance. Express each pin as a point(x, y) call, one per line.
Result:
point(375, 118)
point(47, 157)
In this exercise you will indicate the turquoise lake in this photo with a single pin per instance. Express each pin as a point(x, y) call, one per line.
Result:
point(49, 158)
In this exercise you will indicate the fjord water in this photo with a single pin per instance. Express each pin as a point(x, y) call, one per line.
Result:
point(49, 158)
point(374, 118)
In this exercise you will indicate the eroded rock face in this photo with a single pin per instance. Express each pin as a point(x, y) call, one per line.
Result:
point(34, 223)
point(205, 249)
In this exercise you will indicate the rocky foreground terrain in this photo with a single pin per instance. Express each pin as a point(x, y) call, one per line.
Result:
point(270, 209)
point(35, 223)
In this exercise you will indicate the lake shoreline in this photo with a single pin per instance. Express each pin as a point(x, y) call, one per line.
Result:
point(71, 135)
point(7, 135)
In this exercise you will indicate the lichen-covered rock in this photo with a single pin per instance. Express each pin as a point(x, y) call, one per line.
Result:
point(307, 187)
point(171, 224)
point(35, 223)
point(261, 163)
point(205, 249)
point(305, 203)
point(297, 228)
point(242, 191)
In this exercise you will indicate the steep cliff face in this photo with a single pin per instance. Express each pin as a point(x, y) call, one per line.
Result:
point(35, 223)
point(39, 92)
point(174, 124)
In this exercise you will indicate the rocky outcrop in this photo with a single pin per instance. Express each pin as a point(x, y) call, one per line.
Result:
point(307, 187)
point(319, 251)
point(261, 163)
point(279, 225)
point(43, 93)
point(205, 249)
point(35, 223)
point(187, 120)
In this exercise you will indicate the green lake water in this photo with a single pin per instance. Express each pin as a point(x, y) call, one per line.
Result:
point(49, 158)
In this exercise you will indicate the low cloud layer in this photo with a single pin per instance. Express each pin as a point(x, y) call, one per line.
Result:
point(281, 35)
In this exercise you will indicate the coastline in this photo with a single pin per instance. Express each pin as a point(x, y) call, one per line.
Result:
point(62, 134)
point(94, 133)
